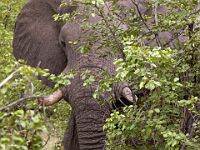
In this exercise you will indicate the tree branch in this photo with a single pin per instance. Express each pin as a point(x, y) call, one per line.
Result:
point(156, 23)
point(21, 100)
point(8, 78)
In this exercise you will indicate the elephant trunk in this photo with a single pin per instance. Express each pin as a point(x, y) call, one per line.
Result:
point(85, 130)
point(89, 123)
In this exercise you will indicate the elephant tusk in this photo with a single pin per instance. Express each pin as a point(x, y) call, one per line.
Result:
point(127, 93)
point(51, 99)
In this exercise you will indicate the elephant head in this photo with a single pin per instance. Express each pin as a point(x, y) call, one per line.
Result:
point(42, 42)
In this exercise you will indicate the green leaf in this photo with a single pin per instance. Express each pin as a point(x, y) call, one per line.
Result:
point(150, 85)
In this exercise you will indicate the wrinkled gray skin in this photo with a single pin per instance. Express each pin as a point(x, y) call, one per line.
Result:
point(42, 42)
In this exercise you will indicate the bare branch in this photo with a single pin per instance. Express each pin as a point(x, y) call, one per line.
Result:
point(140, 15)
point(8, 78)
point(156, 12)
point(156, 23)
point(30, 84)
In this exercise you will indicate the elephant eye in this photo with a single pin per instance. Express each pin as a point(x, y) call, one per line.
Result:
point(63, 44)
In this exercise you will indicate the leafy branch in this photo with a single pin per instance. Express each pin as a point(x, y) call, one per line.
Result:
point(19, 101)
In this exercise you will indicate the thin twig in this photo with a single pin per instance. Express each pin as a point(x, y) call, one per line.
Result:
point(156, 12)
point(29, 92)
point(8, 78)
point(140, 15)
point(156, 22)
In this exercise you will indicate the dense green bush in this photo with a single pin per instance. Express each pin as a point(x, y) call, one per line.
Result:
point(19, 128)
point(167, 115)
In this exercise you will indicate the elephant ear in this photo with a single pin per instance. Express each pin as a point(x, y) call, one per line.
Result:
point(36, 36)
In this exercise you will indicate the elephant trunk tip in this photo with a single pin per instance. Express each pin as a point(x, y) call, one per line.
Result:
point(127, 94)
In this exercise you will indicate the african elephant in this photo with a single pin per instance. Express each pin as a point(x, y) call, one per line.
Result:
point(42, 42)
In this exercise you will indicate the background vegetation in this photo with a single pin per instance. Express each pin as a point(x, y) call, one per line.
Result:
point(165, 79)
point(24, 125)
